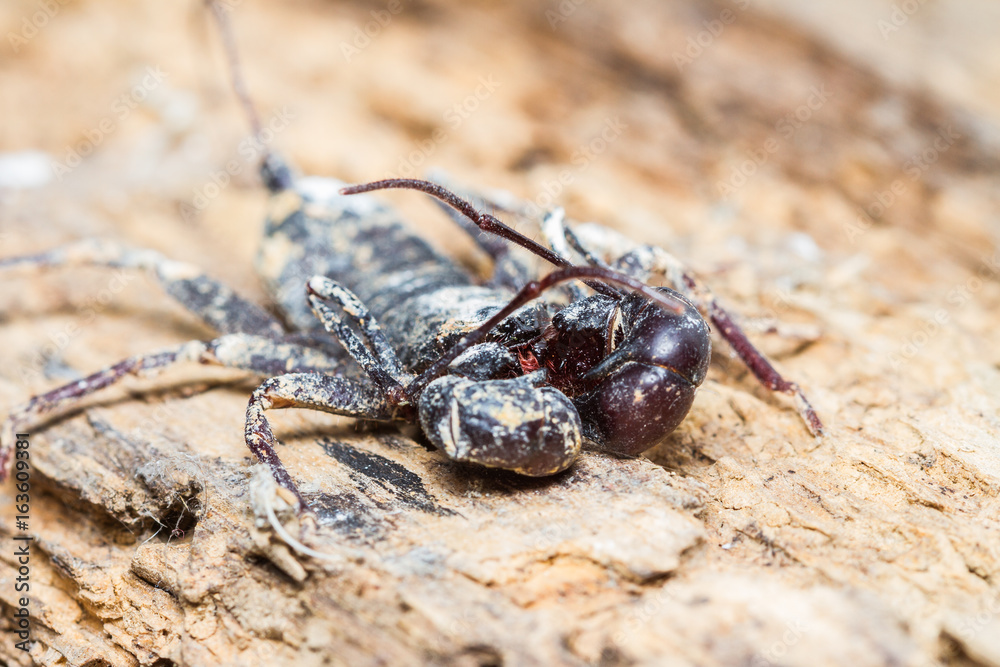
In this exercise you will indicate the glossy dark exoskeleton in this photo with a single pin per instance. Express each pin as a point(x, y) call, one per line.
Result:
point(493, 377)
point(631, 367)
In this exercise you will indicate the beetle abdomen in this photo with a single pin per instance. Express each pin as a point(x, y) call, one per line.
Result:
point(354, 241)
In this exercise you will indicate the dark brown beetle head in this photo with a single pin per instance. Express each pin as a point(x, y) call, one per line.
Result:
point(645, 384)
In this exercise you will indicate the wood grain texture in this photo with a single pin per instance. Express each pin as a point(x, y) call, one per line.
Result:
point(854, 210)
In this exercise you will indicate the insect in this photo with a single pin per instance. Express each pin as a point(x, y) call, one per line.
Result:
point(493, 374)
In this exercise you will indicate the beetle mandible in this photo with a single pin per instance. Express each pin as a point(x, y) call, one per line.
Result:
point(493, 375)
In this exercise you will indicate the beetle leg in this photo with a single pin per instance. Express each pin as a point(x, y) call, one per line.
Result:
point(753, 358)
point(218, 305)
point(263, 356)
point(643, 261)
point(377, 358)
point(315, 391)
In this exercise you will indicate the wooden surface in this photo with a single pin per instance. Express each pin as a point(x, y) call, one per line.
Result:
point(739, 541)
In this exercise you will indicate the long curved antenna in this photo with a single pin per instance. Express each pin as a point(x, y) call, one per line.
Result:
point(235, 70)
point(486, 222)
